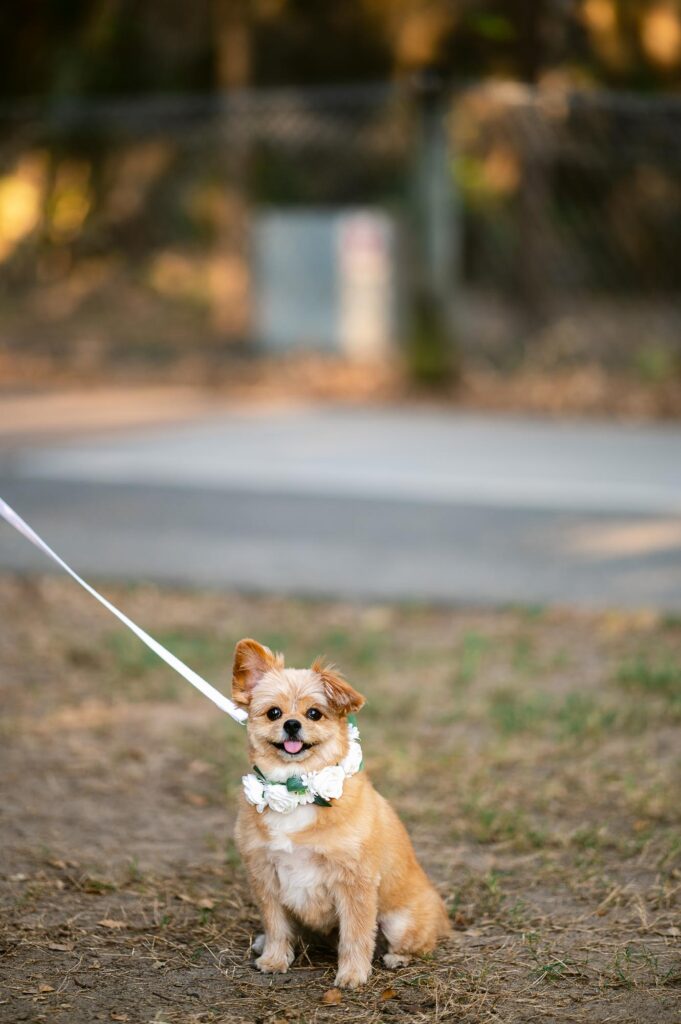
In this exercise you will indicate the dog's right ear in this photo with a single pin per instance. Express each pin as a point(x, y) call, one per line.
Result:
point(251, 662)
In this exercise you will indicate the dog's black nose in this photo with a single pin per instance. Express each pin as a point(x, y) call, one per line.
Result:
point(292, 726)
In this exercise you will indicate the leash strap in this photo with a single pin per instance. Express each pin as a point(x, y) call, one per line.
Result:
point(239, 715)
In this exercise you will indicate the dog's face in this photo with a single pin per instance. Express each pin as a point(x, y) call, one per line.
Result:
point(295, 716)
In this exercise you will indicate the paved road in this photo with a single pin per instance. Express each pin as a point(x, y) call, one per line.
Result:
point(373, 504)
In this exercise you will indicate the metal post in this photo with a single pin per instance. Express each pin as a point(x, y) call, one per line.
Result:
point(432, 351)
point(437, 198)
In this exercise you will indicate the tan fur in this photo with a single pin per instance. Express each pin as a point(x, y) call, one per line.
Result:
point(351, 865)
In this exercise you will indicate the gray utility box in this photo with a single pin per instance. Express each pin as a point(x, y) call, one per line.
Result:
point(326, 280)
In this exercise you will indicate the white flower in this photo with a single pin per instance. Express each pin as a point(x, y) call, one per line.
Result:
point(280, 799)
point(353, 732)
point(352, 760)
point(328, 783)
point(254, 791)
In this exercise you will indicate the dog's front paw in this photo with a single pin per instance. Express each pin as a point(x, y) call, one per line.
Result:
point(275, 961)
point(352, 976)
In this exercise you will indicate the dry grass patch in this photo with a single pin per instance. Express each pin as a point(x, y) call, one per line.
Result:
point(534, 756)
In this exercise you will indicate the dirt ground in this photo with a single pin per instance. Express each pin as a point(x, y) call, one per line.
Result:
point(533, 754)
point(587, 388)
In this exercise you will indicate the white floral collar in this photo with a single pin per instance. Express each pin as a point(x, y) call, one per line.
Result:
point(308, 788)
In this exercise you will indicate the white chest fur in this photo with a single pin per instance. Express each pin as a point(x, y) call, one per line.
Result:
point(300, 871)
point(281, 826)
point(301, 880)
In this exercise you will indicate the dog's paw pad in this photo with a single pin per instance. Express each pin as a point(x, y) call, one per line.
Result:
point(258, 944)
point(393, 960)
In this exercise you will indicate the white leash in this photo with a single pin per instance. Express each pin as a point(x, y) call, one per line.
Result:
point(192, 677)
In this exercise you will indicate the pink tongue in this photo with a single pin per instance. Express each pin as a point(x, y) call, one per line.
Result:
point(292, 746)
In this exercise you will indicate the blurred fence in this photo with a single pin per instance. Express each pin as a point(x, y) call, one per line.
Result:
point(125, 227)
point(572, 222)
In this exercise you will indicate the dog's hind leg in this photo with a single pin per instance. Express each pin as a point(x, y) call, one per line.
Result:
point(413, 930)
point(395, 960)
point(395, 925)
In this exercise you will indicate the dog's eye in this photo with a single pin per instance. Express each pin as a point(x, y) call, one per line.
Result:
point(273, 714)
point(313, 714)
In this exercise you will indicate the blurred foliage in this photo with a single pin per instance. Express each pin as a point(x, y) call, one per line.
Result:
point(432, 355)
point(99, 47)
point(129, 221)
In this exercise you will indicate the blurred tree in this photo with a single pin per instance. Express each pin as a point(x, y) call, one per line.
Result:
point(122, 46)
point(323, 41)
point(232, 33)
point(633, 43)
point(89, 47)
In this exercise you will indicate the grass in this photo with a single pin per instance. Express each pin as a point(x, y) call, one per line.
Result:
point(470, 660)
point(574, 715)
point(653, 675)
point(490, 824)
point(534, 756)
point(134, 659)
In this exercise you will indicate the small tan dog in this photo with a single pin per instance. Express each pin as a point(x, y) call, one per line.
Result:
point(321, 847)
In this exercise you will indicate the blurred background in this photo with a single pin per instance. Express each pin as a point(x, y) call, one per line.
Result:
point(407, 217)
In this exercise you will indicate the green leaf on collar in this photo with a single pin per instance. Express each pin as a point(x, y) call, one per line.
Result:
point(259, 773)
point(352, 719)
point(296, 785)
point(321, 802)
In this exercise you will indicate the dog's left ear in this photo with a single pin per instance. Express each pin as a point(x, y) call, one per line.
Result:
point(251, 661)
point(340, 695)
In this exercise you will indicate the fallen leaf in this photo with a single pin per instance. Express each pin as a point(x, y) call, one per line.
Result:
point(109, 922)
point(118, 1016)
point(45, 988)
point(196, 799)
point(673, 931)
point(205, 902)
point(332, 997)
point(60, 947)
point(388, 993)
point(18, 878)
